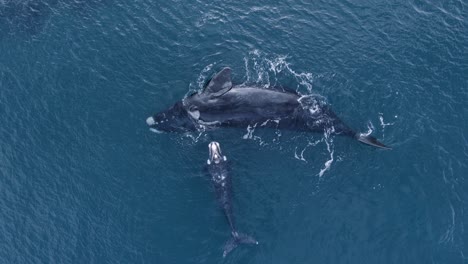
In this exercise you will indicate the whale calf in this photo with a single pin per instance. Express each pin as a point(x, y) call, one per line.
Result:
point(218, 169)
point(222, 104)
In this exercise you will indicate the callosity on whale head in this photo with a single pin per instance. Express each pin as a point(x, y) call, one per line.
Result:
point(174, 119)
point(215, 155)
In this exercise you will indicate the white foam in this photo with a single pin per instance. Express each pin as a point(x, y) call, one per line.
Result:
point(327, 166)
point(250, 130)
point(301, 157)
point(192, 136)
point(250, 135)
point(280, 64)
point(370, 129)
point(264, 70)
point(270, 120)
point(382, 123)
point(202, 78)
point(330, 149)
point(309, 144)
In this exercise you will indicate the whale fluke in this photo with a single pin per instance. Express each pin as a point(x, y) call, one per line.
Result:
point(237, 238)
point(370, 140)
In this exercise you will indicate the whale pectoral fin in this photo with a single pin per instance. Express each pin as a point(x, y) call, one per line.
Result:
point(220, 84)
point(370, 140)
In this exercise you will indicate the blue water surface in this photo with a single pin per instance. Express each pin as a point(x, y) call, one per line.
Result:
point(83, 180)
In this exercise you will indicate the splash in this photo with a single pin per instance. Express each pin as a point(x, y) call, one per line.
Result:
point(251, 136)
point(330, 147)
point(266, 71)
point(195, 137)
point(280, 64)
point(271, 72)
point(313, 102)
point(383, 124)
point(250, 130)
point(263, 71)
point(203, 77)
point(370, 129)
point(271, 120)
point(309, 144)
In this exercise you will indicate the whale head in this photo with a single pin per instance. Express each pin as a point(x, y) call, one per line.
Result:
point(174, 119)
point(184, 116)
point(215, 154)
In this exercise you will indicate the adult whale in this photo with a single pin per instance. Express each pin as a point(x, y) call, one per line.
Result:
point(221, 104)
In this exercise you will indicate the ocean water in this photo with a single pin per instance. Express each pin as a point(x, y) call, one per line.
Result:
point(83, 180)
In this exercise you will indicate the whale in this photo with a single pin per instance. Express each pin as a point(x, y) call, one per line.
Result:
point(222, 104)
point(220, 177)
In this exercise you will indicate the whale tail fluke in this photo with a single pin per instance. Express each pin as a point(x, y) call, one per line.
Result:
point(370, 140)
point(236, 240)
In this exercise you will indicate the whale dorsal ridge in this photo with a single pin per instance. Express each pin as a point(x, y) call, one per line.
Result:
point(220, 84)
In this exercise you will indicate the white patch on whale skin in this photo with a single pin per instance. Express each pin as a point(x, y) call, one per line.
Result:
point(150, 121)
point(208, 123)
point(270, 120)
point(156, 131)
point(227, 85)
point(195, 114)
point(266, 122)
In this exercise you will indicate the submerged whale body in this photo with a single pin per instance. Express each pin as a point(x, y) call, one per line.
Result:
point(221, 179)
point(221, 104)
